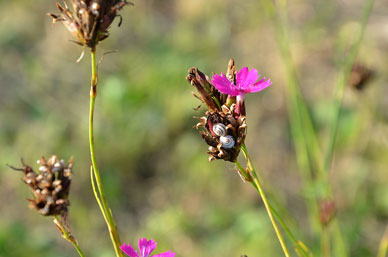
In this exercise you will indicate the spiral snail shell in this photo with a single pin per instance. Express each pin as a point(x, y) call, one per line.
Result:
point(219, 129)
point(227, 141)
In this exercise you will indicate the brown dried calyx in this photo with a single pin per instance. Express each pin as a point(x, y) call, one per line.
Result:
point(50, 186)
point(222, 128)
point(90, 20)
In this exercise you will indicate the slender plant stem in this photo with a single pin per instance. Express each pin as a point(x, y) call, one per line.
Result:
point(383, 247)
point(304, 136)
point(310, 158)
point(343, 81)
point(66, 235)
point(96, 194)
point(101, 199)
point(256, 183)
point(325, 243)
point(276, 214)
point(340, 246)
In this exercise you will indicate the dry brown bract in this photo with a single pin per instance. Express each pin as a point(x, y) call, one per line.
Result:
point(90, 20)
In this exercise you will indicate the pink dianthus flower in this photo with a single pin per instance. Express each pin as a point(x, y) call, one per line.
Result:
point(145, 249)
point(247, 81)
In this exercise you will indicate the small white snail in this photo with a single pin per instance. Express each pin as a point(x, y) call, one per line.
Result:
point(219, 129)
point(227, 141)
point(95, 8)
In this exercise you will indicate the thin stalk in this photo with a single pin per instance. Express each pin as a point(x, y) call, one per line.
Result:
point(309, 157)
point(101, 199)
point(96, 194)
point(278, 217)
point(383, 248)
point(66, 235)
point(325, 243)
point(343, 81)
point(256, 183)
point(303, 128)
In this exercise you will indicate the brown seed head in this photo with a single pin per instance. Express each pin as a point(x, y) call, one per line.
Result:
point(90, 19)
point(50, 186)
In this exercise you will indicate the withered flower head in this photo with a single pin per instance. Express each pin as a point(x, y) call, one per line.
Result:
point(50, 186)
point(360, 76)
point(90, 20)
point(223, 126)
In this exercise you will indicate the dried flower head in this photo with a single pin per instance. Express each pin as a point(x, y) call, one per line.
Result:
point(360, 76)
point(145, 248)
point(90, 20)
point(50, 186)
point(223, 126)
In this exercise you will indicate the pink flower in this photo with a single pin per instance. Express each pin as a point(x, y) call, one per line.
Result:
point(245, 83)
point(145, 249)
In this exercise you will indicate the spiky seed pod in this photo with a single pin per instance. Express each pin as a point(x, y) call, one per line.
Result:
point(90, 20)
point(50, 186)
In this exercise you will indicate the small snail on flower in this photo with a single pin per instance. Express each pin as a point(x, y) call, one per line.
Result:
point(224, 123)
point(219, 129)
point(227, 141)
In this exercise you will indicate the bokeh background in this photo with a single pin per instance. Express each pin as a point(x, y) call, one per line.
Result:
point(155, 170)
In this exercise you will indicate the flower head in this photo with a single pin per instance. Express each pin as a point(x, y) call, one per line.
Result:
point(50, 185)
point(145, 248)
point(90, 20)
point(246, 82)
point(223, 127)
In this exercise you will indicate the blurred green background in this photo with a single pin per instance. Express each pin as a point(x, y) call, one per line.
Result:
point(154, 166)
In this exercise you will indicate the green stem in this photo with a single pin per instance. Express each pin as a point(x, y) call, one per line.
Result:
point(383, 248)
point(304, 136)
point(276, 214)
point(325, 243)
point(257, 185)
point(101, 199)
point(66, 235)
point(343, 81)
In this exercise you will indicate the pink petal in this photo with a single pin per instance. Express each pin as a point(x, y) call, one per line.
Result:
point(166, 254)
point(241, 77)
point(128, 250)
point(260, 85)
point(252, 77)
point(223, 85)
point(146, 247)
point(245, 78)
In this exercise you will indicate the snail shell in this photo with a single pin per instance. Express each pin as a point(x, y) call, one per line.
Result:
point(227, 141)
point(219, 129)
point(95, 8)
